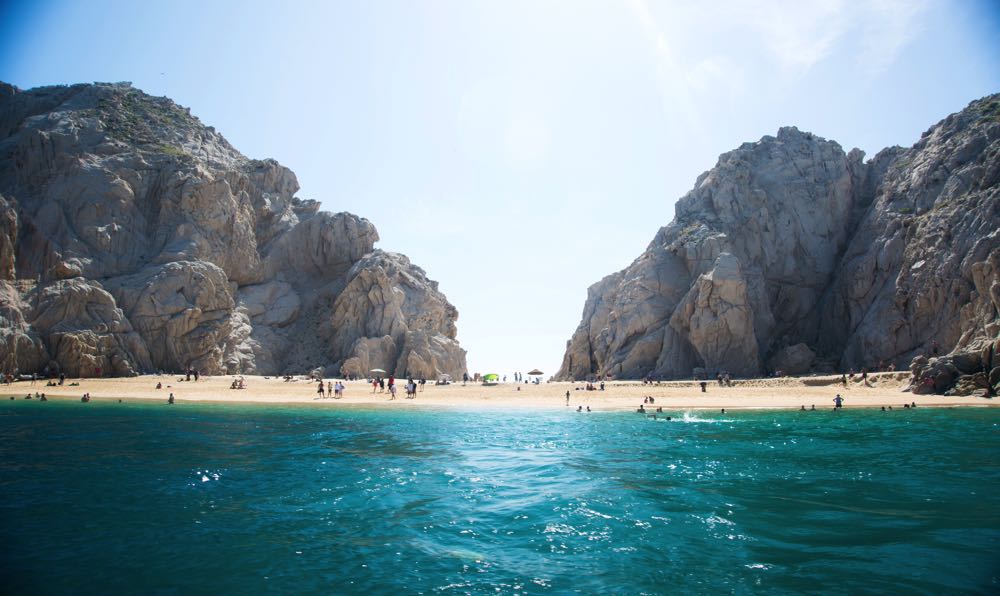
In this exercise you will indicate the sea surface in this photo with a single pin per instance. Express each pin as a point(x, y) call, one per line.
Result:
point(142, 498)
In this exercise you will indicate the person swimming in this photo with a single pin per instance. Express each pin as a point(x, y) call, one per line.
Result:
point(642, 409)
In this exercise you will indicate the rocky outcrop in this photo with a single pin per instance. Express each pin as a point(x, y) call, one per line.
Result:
point(791, 253)
point(133, 238)
point(391, 316)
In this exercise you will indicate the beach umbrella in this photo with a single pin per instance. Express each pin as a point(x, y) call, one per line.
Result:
point(378, 370)
point(491, 377)
point(536, 372)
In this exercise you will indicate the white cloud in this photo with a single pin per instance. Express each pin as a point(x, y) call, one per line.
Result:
point(890, 26)
point(672, 80)
point(797, 34)
point(708, 47)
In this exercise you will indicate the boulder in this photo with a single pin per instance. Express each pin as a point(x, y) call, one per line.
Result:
point(182, 310)
point(21, 348)
point(409, 321)
point(86, 332)
point(792, 360)
point(717, 320)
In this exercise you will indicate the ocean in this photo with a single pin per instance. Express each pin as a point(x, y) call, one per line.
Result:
point(145, 498)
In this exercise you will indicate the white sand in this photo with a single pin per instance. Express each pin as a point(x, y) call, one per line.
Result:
point(791, 392)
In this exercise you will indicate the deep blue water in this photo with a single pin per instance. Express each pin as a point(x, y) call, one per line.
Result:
point(148, 498)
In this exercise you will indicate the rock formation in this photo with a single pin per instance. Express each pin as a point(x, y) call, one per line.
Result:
point(134, 239)
point(792, 255)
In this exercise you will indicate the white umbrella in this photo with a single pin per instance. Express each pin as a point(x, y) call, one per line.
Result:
point(379, 370)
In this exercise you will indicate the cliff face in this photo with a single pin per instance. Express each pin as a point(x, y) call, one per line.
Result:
point(792, 254)
point(133, 238)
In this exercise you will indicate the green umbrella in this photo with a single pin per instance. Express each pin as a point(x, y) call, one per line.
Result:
point(491, 377)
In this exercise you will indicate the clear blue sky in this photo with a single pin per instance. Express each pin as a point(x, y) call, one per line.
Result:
point(519, 151)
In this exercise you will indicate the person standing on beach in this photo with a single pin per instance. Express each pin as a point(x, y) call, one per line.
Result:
point(838, 402)
point(567, 398)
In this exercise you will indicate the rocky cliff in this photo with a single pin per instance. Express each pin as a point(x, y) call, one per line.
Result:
point(792, 255)
point(133, 238)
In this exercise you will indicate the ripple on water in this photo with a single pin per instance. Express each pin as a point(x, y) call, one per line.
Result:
point(237, 499)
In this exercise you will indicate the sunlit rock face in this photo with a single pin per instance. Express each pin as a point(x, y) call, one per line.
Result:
point(133, 238)
point(792, 253)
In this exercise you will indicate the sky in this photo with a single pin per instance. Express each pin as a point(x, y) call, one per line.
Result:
point(516, 151)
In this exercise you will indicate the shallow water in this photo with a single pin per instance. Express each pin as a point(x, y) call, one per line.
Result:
point(144, 498)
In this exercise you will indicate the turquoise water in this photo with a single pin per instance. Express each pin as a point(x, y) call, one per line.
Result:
point(141, 498)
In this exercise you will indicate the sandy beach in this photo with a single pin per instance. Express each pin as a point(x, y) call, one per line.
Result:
point(789, 392)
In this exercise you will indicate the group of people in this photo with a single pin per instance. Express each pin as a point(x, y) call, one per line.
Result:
point(40, 397)
point(838, 403)
point(9, 378)
point(379, 384)
point(334, 390)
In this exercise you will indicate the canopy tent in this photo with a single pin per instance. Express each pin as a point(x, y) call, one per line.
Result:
point(535, 372)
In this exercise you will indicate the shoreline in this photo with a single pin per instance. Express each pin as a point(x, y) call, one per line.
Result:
point(786, 393)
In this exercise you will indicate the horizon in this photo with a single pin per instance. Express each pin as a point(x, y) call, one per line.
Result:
point(524, 146)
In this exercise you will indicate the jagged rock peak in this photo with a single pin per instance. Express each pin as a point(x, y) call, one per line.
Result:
point(791, 253)
point(116, 202)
